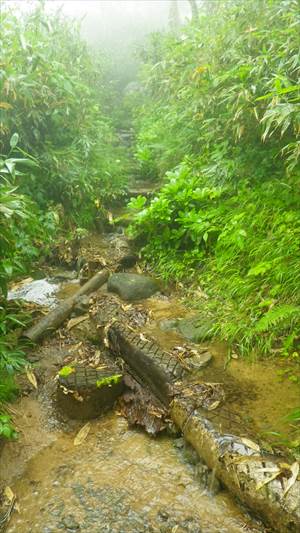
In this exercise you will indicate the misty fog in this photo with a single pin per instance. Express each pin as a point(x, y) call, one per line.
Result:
point(115, 27)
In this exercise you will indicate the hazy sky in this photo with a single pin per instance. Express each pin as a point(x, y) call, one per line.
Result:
point(110, 15)
point(115, 26)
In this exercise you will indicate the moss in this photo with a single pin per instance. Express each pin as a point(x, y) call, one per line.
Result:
point(65, 371)
point(109, 380)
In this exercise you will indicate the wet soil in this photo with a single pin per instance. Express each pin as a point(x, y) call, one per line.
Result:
point(258, 396)
point(120, 479)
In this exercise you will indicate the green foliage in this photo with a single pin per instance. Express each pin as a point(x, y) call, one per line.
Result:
point(7, 430)
point(54, 97)
point(221, 123)
point(227, 90)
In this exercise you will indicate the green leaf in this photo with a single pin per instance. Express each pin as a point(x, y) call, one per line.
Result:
point(14, 140)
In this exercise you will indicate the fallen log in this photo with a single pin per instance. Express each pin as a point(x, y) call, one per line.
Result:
point(56, 317)
point(267, 484)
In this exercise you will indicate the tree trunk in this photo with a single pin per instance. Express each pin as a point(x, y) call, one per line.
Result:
point(194, 8)
point(174, 19)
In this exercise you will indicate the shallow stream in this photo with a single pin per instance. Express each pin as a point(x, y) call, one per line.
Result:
point(120, 479)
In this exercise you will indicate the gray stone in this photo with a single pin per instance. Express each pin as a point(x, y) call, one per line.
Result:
point(169, 324)
point(200, 360)
point(132, 287)
point(179, 443)
point(70, 522)
point(195, 329)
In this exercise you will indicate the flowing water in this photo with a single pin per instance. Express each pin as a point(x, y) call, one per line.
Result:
point(120, 479)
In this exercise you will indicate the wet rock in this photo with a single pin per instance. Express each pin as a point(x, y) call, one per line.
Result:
point(127, 261)
point(190, 455)
point(164, 515)
point(82, 305)
point(200, 360)
point(70, 523)
point(132, 287)
point(169, 324)
point(179, 443)
point(195, 329)
point(65, 275)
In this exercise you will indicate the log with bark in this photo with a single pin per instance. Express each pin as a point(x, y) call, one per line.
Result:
point(266, 483)
point(56, 317)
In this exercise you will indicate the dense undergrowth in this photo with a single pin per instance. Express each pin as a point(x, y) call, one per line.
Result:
point(60, 162)
point(219, 121)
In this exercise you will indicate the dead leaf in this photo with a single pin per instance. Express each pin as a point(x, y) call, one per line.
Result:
point(21, 283)
point(250, 444)
point(139, 270)
point(9, 495)
point(214, 405)
point(126, 307)
point(268, 480)
point(294, 468)
point(143, 338)
point(77, 396)
point(31, 378)
point(82, 434)
point(75, 321)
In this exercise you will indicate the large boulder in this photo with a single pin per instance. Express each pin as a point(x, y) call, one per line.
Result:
point(132, 287)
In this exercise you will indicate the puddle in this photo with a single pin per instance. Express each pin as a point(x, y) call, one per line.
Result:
point(258, 398)
point(118, 480)
point(257, 394)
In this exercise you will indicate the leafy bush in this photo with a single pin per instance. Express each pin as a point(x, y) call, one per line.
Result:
point(54, 97)
point(7, 430)
point(221, 118)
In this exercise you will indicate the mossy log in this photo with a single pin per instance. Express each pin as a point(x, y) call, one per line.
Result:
point(55, 318)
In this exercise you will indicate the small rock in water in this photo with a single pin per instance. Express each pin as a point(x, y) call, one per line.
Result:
point(200, 360)
point(195, 329)
point(179, 443)
point(132, 287)
point(70, 522)
point(169, 324)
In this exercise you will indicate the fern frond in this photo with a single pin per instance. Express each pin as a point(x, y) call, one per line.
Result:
point(276, 315)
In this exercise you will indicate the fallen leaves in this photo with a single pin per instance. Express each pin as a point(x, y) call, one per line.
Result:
point(250, 444)
point(31, 378)
point(213, 405)
point(285, 471)
point(294, 468)
point(8, 494)
point(82, 434)
point(261, 484)
point(77, 320)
